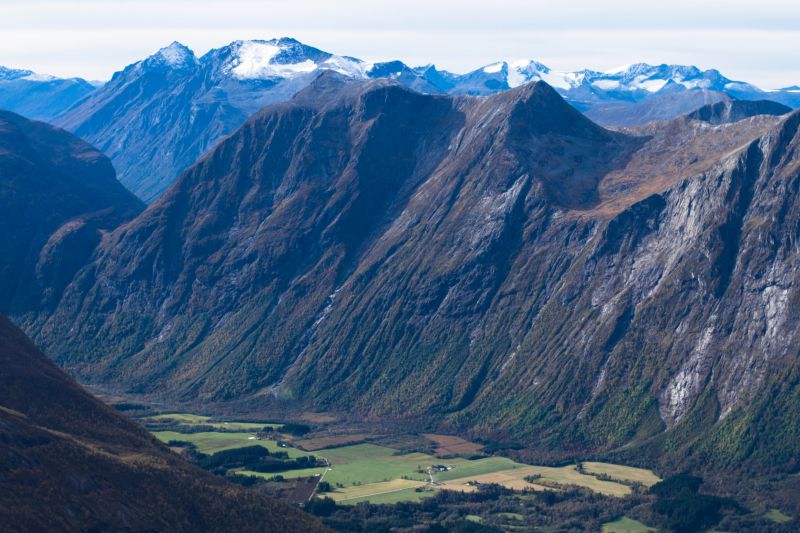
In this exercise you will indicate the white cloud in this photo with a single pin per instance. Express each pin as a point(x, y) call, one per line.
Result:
point(752, 41)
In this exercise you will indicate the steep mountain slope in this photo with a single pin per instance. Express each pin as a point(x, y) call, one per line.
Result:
point(57, 197)
point(501, 263)
point(70, 463)
point(38, 96)
point(157, 116)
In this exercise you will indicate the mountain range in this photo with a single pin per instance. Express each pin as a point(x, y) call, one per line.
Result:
point(157, 116)
point(498, 266)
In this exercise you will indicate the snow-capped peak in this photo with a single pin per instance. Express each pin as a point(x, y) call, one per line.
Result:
point(524, 71)
point(284, 58)
point(653, 78)
point(174, 56)
point(521, 71)
point(7, 74)
point(13, 74)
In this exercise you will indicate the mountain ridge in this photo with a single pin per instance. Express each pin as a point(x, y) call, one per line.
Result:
point(154, 119)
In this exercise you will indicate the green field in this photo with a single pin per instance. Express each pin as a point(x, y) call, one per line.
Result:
point(200, 420)
point(364, 464)
point(465, 468)
point(778, 517)
point(626, 525)
point(405, 495)
point(622, 473)
point(211, 441)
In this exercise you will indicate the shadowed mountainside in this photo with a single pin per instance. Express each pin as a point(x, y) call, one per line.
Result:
point(58, 196)
point(70, 463)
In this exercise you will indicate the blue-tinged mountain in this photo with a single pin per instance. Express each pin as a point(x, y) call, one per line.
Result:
point(39, 96)
point(630, 84)
point(157, 116)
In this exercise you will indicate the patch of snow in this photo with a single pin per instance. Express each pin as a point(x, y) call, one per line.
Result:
point(652, 86)
point(695, 84)
point(620, 69)
point(494, 68)
point(254, 58)
point(34, 76)
point(606, 85)
point(560, 80)
point(176, 54)
point(346, 66)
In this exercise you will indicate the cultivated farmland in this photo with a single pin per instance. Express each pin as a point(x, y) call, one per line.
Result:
point(382, 474)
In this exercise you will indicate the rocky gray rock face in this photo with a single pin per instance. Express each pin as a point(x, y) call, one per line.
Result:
point(500, 265)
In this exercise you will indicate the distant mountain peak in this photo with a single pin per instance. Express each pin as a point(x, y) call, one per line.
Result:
point(13, 74)
point(284, 57)
point(9, 74)
point(175, 56)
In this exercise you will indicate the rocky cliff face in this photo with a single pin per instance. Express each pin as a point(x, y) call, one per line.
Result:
point(58, 196)
point(500, 265)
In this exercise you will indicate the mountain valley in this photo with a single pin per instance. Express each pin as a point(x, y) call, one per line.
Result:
point(373, 297)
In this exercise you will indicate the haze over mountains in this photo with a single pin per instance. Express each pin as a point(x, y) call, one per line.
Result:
point(157, 116)
point(496, 265)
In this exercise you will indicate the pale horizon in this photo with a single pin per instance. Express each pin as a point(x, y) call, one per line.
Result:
point(93, 39)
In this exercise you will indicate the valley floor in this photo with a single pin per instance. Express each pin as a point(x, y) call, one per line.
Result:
point(321, 460)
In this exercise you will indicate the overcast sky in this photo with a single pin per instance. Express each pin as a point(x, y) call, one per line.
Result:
point(755, 41)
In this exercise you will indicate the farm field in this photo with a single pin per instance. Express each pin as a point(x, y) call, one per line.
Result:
point(626, 525)
point(777, 516)
point(214, 441)
point(373, 490)
point(621, 472)
point(197, 420)
point(462, 468)
point(365, 464)
point(319, 443)
point(550, 477)
point(452, 445)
